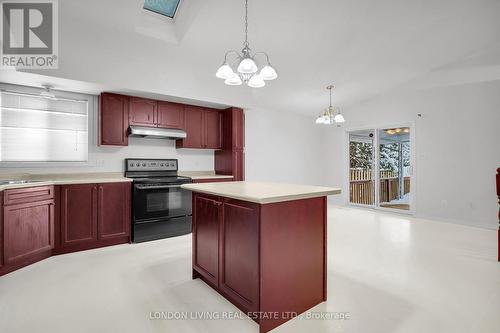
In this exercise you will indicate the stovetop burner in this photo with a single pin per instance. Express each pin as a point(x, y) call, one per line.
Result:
point(153, 170)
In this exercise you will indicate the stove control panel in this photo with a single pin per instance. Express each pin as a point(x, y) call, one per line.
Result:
point(150, 165)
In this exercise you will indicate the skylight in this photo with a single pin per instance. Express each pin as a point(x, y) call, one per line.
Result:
point(164, 7)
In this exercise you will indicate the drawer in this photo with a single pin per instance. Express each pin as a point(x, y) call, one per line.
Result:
point(28, 194)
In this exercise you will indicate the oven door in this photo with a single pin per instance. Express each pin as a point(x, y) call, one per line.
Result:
point(160, 202)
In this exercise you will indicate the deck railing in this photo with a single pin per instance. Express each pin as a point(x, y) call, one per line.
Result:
point(361, 186)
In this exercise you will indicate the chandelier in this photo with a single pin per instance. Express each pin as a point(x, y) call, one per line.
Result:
point(331, 114)
point(247, 70)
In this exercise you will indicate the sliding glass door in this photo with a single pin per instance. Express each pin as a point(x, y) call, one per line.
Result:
point(394, 158)
point(380, 168)
point(362, 168)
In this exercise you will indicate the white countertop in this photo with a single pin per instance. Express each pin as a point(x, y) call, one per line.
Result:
point(62, 179)
point(203, 175)
point(262, 192)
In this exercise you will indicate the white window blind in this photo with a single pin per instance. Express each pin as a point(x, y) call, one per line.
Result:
point(38, 129)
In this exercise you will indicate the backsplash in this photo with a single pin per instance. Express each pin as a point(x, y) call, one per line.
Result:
point(111, 159)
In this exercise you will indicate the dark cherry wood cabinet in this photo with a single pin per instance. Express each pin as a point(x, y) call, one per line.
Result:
point(29, 230)
point(113, 119)
point(230, 160)
point(264, 258)
point(203, 127)
point(113, 209)
point(239, 279)
point(27, 226)
point(41, 221)
point(1, 232)
point(206, 128)
point(206, 237)
point(143, 112)
point(238, 164)
point(193, 125)
point(225, 232)
point(212, 127)
point(498, 195)
point(170, 115)
point(94, 215)
point(78, 214)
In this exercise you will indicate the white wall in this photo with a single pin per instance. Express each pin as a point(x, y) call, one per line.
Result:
point(282, 148)
point(457, 148)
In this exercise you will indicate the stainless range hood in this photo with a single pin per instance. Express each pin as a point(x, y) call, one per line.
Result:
point(157, 133)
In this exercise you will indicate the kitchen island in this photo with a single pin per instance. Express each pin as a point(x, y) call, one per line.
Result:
point(262, 246)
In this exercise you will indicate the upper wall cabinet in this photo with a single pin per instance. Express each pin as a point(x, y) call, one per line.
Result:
point(113, 116)
point(213, 125)
point(170, 115)
point(143, 112)
point(203, 128)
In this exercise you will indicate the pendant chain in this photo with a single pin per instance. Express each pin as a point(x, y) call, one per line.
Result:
point(246, 24)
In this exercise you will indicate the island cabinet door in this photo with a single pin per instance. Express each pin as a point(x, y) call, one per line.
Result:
point(1, 231)
point(207, 213)
point(78, 214)
point(239, 258)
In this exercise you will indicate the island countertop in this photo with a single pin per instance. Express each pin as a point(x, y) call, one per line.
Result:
point(262, 192)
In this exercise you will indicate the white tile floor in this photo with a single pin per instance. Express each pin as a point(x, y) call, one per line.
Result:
point(391, 273)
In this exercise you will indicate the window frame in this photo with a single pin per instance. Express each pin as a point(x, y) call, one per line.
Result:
point(91, 126)
point(162, 14)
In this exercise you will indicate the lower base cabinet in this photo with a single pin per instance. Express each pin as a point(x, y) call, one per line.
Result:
point(27, 227)
point(38, 222)
point(224, 231)
point(269, 260)
point(78, 214)
point(28, 230)
point(94, 215)
point(1, 231)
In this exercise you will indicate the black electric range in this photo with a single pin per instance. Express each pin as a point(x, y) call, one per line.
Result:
point(160, 207)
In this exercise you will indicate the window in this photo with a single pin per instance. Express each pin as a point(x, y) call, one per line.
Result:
point(164, 7)
point(38, 129)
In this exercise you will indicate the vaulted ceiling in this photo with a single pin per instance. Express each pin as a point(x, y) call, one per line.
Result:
point(365, 48)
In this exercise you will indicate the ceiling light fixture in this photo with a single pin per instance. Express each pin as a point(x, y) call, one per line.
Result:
point(399, 131)
point(47, 92)
point(332, 114)
point(247, 69)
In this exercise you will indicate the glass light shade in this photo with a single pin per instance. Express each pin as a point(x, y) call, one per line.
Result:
point(268, 73)
point(235, 80)
point(247, 66)
point(339, 118)
point(224, 72)
point(256, 81)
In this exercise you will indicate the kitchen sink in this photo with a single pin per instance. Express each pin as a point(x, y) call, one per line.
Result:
point(17, 182)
